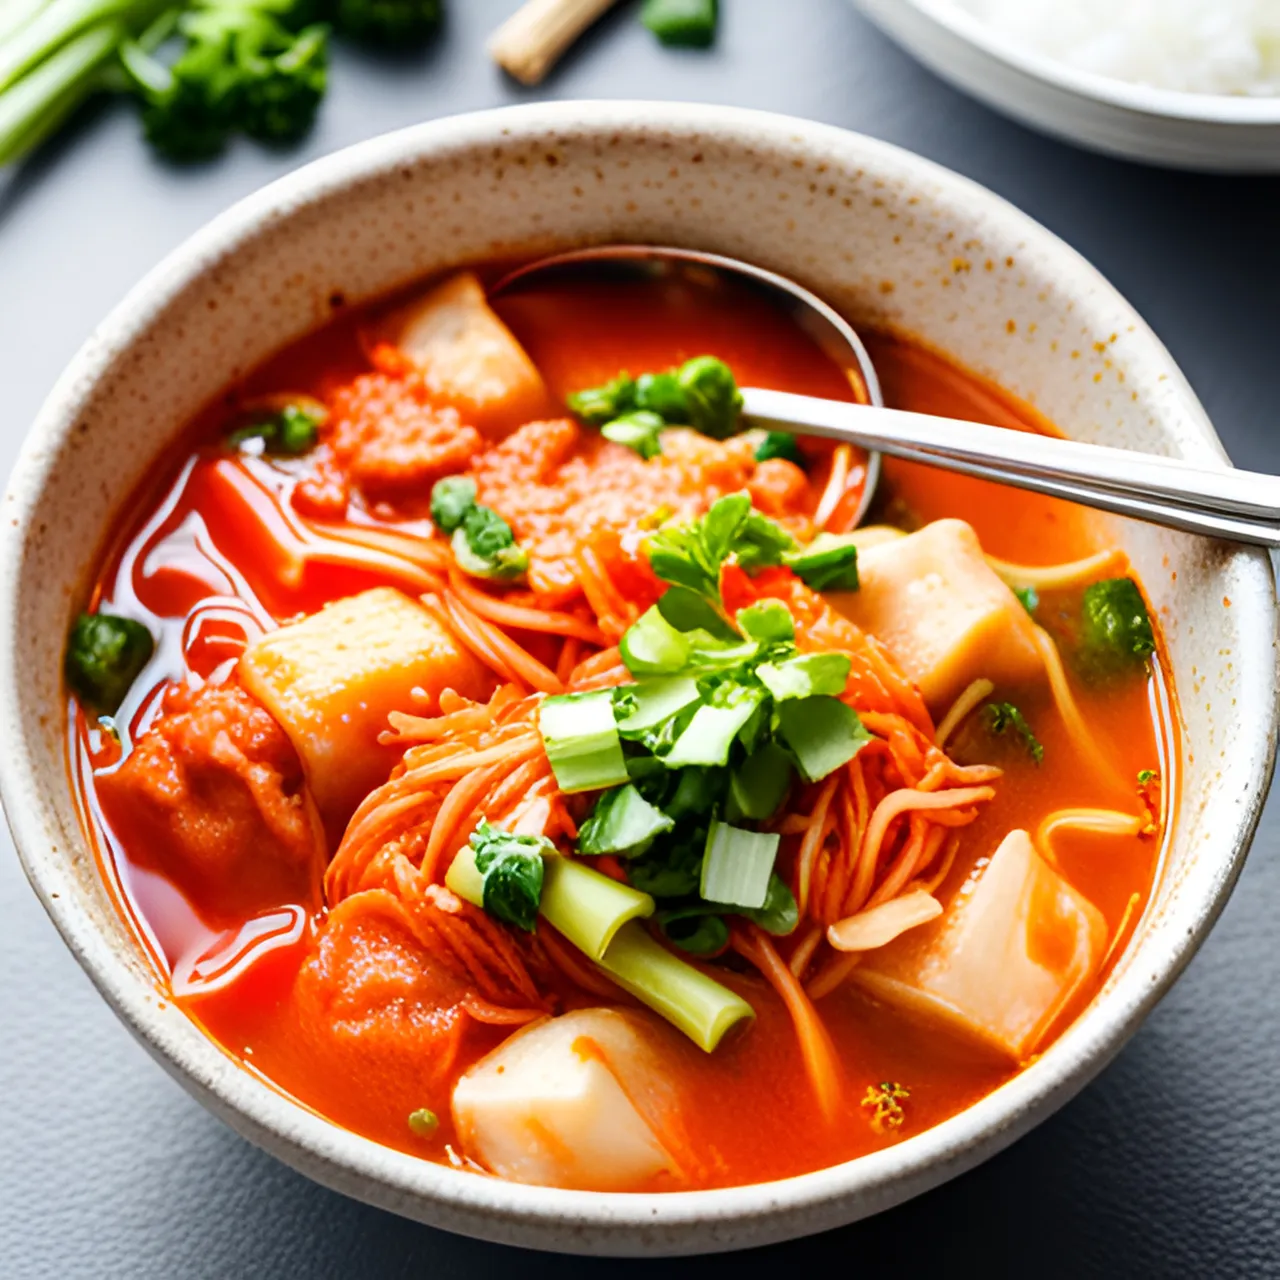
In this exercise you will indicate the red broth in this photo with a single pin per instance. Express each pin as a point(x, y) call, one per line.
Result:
point(212, 557)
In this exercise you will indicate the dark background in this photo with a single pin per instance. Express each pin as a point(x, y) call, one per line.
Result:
point(1168, 1165)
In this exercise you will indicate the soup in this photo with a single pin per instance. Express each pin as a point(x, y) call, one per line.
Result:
point(534, 768)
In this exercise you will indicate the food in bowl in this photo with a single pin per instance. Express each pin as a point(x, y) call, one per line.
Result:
point(1194, 46)
point(517, 759)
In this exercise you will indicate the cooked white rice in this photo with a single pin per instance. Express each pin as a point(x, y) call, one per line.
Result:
point(1199, 46)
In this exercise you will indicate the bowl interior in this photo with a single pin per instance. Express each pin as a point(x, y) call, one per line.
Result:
point(878, 233)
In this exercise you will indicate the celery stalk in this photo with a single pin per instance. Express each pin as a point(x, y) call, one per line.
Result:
point(688, 999)
point(579, 902)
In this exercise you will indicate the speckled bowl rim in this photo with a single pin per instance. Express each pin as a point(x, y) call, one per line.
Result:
point(584, 1222)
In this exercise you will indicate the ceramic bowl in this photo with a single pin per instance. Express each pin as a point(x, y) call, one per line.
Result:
point(879, 233)
point(1224, 133)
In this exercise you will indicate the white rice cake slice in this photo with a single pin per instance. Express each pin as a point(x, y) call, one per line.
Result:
point(1014, 947)
point(946, 616)
point(546, 1107)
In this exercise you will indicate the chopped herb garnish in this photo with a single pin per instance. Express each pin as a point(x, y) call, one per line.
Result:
point(662, 394)
point(451, 499)
point(828, 563)
point(805, 676)
point(485, 547)
point(884, 1101)
point(598, 405)
point(424, 1122)
point(513, 873)
point(1116, 629)
point(701, 393)
point(822, 733)
point(105, 655)
point(623, 821)
point(1145, 776)
point(694, 929)
point(290, 431)
point(639, 430)
point(691, 23)
point(1029, 598)
point(779, 444)
point(1003, 716)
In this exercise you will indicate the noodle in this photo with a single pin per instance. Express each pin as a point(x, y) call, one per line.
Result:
point(1059, 577)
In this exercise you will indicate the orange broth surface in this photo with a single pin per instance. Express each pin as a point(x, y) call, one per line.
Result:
point(202, 552)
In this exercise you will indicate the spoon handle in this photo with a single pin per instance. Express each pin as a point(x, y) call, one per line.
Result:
point(1243, 506)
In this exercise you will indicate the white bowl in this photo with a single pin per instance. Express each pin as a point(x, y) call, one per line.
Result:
point(1219, 132)
point(878, 232)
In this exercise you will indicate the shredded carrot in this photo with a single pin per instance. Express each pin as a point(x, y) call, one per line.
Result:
point(522, 616)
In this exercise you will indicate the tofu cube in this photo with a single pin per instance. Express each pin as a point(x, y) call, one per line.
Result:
point(331, 679)
point(470, 359)
point(1011, 951)
point(546, 1106)
point(943, 612)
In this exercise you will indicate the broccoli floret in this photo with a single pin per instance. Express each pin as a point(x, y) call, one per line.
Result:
point(1116, 630)
point(388, 22)
point(105, 654)
point(243, 68)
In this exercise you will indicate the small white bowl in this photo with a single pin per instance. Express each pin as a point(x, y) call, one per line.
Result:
point(1223, 133)
point(881, 234)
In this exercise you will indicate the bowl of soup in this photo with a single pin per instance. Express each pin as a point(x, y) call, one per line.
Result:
point(507, 785)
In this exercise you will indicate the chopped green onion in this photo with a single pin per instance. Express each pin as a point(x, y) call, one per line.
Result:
point(779, 444)
point(688, 999)
point(711, 732)
point(737, 865)
point(652, 646)
point(805, 676)
point(598, 405)
point(661, 393)
point(105, 655)
point(623, 821)
point(511, 871)
point(760, 784)
point(1145, 776)
point(780, 914)
point(424, 1122)
point(1029, 598)
point(648, 704)
point(822, 734)
point(290, 431)
point(451, 499)
point(694, 929)
point(640, 430)
point(579, 902)
point(828, 563)
point(587, 907)
point(581, 741)
point(710, 391)
point(767, 621)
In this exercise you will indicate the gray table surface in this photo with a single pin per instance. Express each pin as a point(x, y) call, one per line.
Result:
point(1168, 1164)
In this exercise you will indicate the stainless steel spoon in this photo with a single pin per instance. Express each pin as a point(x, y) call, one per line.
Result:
point(1242, 506)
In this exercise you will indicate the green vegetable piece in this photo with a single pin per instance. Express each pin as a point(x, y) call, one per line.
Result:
point(691, 23)
point(1145, 776)
point(292, 431)
point(737, 865)
point(393, 24)
point(688, 611)
point(581, 741)
point(780, 914)
point(647, 704)
point(640, 430)
point(760, 784)
point(713, 729)
point(828, 563)
point(451, 499)
point(675, 870)
point(662, 394)
point(598, 405)
point(821, 733)
point(105, 655)
point(711, 394)
point(767, 622)
point(686, 997)
point(1029, 598)
point(805, 676)
point(1003, 716)
point(424, 1122)
point(1116, 630)
point(697, 792)
point(694, 929)
point(623, 821)
point(779, 444)
point(484, 546)
point(513, 873)
point(652, 646)
point(761, 542)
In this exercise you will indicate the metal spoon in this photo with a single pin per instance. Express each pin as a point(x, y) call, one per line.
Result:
point(1242, 506)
